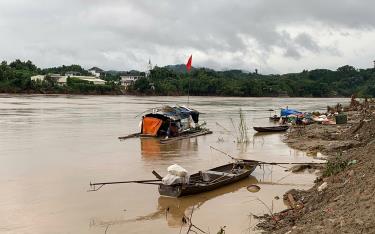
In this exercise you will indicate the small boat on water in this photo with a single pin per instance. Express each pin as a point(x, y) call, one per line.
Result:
point(178, 183)
point(214, 178)
point(280, 128)
point(170, 123)
point(274, 118)
point(177, 208)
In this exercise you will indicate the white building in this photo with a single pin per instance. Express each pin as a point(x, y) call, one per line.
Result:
point(57, 78)
point(149, 68)
point(93, 79)
point(95, 71)
point(63, 79)
point(52, 77)
point(38, 77)
point(72, 73)
point(127, 80)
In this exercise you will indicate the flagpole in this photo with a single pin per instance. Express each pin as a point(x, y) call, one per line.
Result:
point(188, 67)
point(189, 93)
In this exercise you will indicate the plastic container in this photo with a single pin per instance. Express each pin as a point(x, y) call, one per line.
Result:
point(341, 118)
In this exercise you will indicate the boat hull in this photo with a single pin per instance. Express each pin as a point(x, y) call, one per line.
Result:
point(274, 118)
point(191, 189)
point(271, 129)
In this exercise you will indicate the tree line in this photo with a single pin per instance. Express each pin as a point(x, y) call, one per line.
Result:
point(343, 82)
point(174, 80)
point(15, 77)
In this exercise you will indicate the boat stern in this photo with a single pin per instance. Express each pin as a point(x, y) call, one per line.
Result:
point(170, 191)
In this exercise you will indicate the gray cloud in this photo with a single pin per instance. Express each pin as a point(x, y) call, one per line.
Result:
point(305, 40)
point(118, 34)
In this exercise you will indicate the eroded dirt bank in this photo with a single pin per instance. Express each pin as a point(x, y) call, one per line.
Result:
point(343, 198)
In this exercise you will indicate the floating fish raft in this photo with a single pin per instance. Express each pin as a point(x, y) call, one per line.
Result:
point(170, 123)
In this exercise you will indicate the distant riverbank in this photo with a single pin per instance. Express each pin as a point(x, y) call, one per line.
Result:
point(120, 92)
point(15, 77)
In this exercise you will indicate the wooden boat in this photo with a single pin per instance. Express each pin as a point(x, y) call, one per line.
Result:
point(177, 207)
point(274, 118)
point(214, 178)
point(280, 128)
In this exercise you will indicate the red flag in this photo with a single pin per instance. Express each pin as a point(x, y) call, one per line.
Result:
point(188, 64)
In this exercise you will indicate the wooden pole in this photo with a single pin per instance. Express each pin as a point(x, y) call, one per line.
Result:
point(269, 163)
point(125, 182)
point(94, 188)
point(188, 93)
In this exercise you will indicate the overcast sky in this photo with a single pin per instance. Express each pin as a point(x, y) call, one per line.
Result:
point(274, 36)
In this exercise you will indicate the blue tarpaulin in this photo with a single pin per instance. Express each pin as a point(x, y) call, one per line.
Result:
point(286, 112)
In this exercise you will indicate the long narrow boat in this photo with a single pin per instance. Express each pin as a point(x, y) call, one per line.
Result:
point(214, 178)
point(280, 128)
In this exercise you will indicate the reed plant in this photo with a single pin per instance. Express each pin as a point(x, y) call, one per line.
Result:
point(241, 130)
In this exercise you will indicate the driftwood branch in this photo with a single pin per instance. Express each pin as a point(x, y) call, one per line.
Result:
point(188, 220)
point(361, 122)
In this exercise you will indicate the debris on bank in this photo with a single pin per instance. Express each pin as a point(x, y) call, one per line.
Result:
point(343, 197)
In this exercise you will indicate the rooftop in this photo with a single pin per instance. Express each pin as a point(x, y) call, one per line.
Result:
point(96, 69)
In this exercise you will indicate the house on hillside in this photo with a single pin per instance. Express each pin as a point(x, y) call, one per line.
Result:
point(61, 80)
point(95, 71)
point(57, 78)
point(51, 77)
point(92, 79)
point(38, 77)
point(72, 73)
point(130, 78)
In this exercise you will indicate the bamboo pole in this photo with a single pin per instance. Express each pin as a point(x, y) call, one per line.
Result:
point(268, 163)
point(101, 184)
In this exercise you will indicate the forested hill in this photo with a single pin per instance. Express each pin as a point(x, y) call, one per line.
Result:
point(343, 82)
point(15, 77)
point(174, 80)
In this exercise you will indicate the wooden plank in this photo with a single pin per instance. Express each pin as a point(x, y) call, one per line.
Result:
point(130, 136)
point(291, 200)
point(173, 139)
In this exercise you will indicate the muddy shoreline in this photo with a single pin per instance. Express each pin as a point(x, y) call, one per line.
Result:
point(342, 199)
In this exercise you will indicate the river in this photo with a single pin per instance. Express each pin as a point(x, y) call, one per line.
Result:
point(51, 147)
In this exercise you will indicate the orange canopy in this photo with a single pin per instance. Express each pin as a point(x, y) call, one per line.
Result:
point(151, 126)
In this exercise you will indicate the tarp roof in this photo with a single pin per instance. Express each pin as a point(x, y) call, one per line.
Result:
point(174, 112)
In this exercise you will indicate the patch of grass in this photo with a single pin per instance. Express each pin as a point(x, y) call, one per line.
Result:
point(335, 166)
point(242, 136)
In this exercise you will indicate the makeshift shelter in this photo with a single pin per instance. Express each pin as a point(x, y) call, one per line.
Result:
point(151, 125)
point(168, 121)
point(286, 112)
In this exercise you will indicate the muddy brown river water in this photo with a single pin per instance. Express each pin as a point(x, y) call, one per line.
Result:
point(51, 147)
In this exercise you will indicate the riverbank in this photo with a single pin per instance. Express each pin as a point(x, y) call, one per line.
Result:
point(342, 198)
